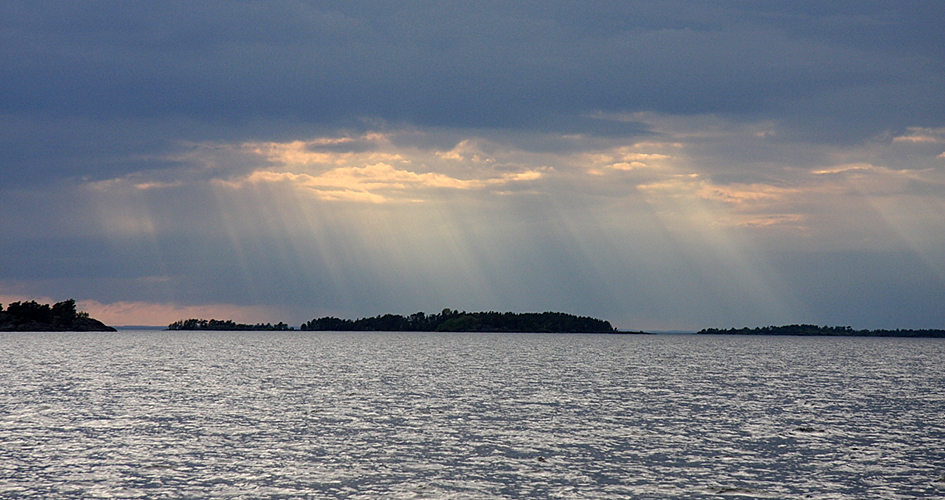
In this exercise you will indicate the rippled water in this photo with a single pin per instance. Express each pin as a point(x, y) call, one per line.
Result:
point(140, 414)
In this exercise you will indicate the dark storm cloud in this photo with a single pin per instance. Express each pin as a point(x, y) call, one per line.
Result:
point(479, 65)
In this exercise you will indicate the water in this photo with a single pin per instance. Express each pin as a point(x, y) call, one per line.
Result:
point(267, 415)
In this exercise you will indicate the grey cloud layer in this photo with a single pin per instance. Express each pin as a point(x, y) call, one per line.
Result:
point(501, 64)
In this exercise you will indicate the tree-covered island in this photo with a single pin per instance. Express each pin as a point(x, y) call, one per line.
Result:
point(828, 331)
point(446, 321)
point(225, 325)
point(461, 321)
point(62, 316)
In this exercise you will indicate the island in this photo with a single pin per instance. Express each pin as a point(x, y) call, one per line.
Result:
point(62, 316)
point(447, 320)
point(225, 325)
point(450, 320)
point(830, 331)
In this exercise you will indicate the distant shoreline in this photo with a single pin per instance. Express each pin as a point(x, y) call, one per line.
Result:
point(446, 321)
point(706, 332)
point(824, 331)
point(34, 317)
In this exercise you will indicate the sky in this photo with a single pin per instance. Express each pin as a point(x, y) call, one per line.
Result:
point(664, 165)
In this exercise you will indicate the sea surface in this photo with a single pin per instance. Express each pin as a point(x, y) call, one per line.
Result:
point(266, 415)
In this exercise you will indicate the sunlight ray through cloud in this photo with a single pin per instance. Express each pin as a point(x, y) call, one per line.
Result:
point(451, 220)
point(910, 202)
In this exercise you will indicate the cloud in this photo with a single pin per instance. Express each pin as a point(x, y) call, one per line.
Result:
point(368, 174)
point(368, 182)
point(923, 135)
point(512, 66)
point(746, 194)
point(360, 157)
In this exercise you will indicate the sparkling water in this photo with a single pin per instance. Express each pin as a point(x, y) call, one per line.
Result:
point(265, 415)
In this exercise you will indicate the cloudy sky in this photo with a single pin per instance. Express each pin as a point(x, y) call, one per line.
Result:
point(660, 164)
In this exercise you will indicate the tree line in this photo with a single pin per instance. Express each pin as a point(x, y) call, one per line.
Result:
point(814, 330)
point(31, 316)
point(228, 325)
point(447, 320)
point(450, 320)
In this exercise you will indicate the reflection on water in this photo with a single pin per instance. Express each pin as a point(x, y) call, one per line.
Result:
point(319, 415)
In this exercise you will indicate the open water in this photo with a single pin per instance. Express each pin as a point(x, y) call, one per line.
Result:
point(152, 414)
